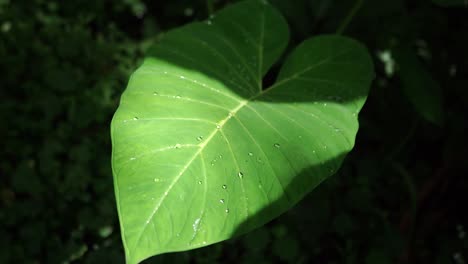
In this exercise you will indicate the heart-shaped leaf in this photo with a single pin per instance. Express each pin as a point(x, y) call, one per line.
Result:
point(201, 152)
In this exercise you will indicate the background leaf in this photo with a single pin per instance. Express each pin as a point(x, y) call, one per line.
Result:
point(202, 153)
point(419, 87)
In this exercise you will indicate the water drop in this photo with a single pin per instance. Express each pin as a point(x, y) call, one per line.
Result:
point(177, 96)
point(155, 93)
point(199, 182)
point(156, 180)
point(259, 160)
point(135, 118)
point(313, 151)
point(227, 210)
point(200, 138)
point(182, 77)
point(224, 186)
point(208, 22)
point(240, 174)
point(299, 136)
point(221, 201)
point(277, 145)
point(196, 224)
point(250, 154)
point(132, 158)
point(177, 146)
point(218, 126)
point(220, 156)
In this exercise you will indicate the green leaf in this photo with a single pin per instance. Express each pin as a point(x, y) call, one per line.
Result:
point(419, 87)
point(201, 152)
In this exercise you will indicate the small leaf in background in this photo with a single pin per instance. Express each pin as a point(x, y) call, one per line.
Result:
point(202, 152)
point(418, 85)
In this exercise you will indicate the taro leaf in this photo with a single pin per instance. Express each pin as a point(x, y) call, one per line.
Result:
point(202, 153)
point(419, 87)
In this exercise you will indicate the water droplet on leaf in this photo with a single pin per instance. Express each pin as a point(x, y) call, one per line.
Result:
point(221, 200)
point(240, 174)
point(277, 145)
point(224, 186)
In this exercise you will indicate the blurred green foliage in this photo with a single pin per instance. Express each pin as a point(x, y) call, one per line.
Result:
point(399, 198)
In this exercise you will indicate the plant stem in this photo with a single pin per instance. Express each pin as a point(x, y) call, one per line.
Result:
point(209, 7)
point(404, 141)
point(357, 5)
point(408, 179)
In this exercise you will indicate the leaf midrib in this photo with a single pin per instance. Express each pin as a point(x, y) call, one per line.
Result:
point(218, 127)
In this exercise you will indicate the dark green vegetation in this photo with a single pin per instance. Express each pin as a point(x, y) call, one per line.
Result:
point(399, 197)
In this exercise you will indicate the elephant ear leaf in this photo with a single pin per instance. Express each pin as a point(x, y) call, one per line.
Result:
point(202, 152)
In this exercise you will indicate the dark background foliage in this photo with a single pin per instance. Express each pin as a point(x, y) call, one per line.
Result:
point(400, 197)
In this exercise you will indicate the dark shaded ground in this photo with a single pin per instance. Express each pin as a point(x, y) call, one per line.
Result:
point(400, 196)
